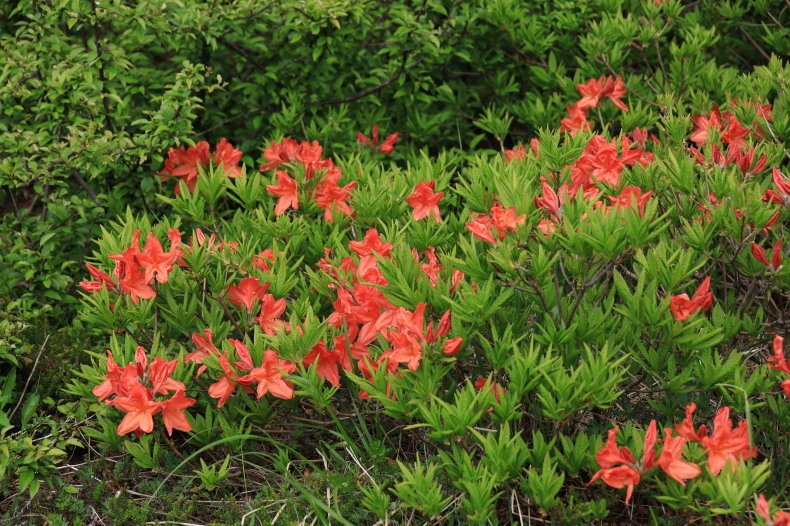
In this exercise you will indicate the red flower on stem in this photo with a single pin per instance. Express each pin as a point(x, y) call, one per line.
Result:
point(425, 201)
point(776, 255)
point(386, 147)
point(247, 292)
point(682, 306)
point(763, 509)
point(778, 362)
point(627, 473)
point(287, 191)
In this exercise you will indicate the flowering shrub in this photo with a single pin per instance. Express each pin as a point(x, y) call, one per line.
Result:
point(545, 287)
point(546, 311)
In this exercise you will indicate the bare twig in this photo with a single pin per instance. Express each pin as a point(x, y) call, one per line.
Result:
point(374, 89)
point(27, 382)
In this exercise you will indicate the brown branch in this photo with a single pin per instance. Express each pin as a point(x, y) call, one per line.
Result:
point(374, 89)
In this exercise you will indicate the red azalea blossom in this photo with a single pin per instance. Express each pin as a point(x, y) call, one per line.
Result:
point(682, 307)
point(386, 147)
point(452, 346)
point(183, 163)
point(776, 255)
point(129, 385)
point(140, 411)
point(782, 195)
point(104, 280)
point(156, 261)
point(173, 412)
point(371, 243)
point(247, 292)
point(205, 348)
point(271, 310)
point(289, 151)
point(262, 260)
point(731, 131)
point(480, 227)
point(328, 361)
point(726, 443)
point(602, 87)
point(287, 191)
point(576, 120)
point(671, 461)
point(780, 518)
point(425, 201)
point(630, 196)
point(627, 474)
point(778, 362)
point(269, 376)
point(331, 197)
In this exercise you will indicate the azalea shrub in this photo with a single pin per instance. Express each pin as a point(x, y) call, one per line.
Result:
point(545, 280)
point(601, 309)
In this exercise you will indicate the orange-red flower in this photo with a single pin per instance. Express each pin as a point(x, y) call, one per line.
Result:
point(328, 361)
point(776, 255)
point(247, 292)
point(290, 151)
point(332, 197)
point(183, 163)
point(104, 280)
point(425, 201)
point(262, 260)
point(140, 411)
point(287, 191)
point(630, 196)
point(778, 362)
point(682, 306)
point(576, 120)
point(371, 243)
point(135, 387)
point(625, 475)
point(386, 147)
point(452, 346)
point(763, 509)
point(156, 262)
point(782, 196)
point(173, 412)
point(671, 460)
point(205, 348)
point(269, 376)
point(594, 89)
point(271, 310)
point(726, 443)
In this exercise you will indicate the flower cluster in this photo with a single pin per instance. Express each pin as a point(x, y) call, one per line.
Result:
point(502, 220)
point(385, 147)
point(362, 313)
point(134, 389)
point(592, 92)
point(268, 377)
point(135, 269)
point(321, 178)
point(184, 163)
point(619, 468)
point(730, 130)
